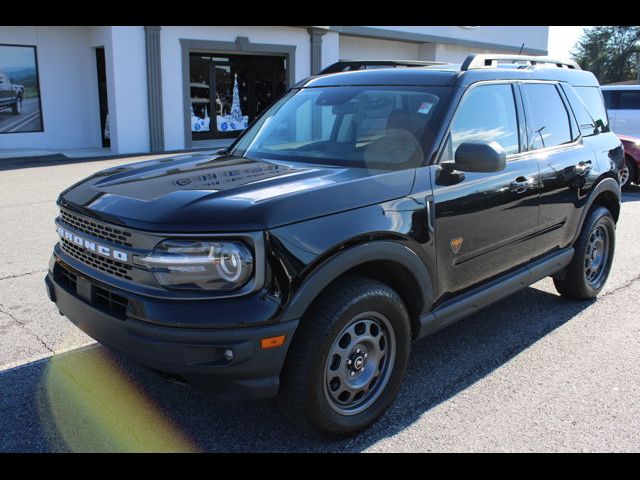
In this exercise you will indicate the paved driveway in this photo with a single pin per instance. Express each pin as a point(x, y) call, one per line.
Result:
point(534, 372)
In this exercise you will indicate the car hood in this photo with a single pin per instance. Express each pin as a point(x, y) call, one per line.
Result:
point(212, 193)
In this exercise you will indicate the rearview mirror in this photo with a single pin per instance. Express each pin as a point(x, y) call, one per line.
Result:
point(480, 157)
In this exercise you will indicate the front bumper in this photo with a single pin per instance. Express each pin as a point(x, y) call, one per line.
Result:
point(197, 355)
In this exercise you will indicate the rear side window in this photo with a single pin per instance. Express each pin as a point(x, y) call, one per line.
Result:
point(629, 100)
point(548, 121)
point(586, 122)
point(487, 113)
point(592, 98)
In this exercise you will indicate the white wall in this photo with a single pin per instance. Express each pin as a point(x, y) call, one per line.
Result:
point(533, 36)
point(457, 53)
point(357, 48)
point(128, 101)
point(171, 53)
point(330, 49)
point(68, 84)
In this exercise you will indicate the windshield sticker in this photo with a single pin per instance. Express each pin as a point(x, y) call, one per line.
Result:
point(425, 107)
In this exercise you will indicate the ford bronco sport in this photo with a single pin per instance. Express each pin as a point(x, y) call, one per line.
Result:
point(363, 210)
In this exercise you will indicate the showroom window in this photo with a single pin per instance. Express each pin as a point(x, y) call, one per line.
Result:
point(229, 91)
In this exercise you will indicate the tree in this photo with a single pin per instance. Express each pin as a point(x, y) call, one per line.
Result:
point(612, 53)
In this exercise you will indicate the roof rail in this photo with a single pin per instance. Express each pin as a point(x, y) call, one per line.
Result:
point(473, 62)
point(347, 65)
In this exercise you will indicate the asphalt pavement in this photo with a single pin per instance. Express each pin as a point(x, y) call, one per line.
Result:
point(534, 372)
point(29, 120)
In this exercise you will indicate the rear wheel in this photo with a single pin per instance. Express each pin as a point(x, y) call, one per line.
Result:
point(589, 269)
point(628, 173)
point(348, 358)
point(16, 109)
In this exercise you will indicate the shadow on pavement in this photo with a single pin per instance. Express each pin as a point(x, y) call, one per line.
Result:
point(631, 194)
point(91, 399)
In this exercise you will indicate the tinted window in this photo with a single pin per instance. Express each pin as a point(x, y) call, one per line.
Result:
point(549, 121)
point(629, 100)
point(586, 122)
point(369, 126)
point(487, 113)
point(592, 99)
point(606, 94)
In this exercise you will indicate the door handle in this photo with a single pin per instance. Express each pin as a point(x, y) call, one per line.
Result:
point(583, 167)
point(522, 184)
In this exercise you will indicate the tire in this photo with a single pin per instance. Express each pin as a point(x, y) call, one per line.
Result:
point(16, 108)
point(589, 269)
point(337, 336)
point(628, 173)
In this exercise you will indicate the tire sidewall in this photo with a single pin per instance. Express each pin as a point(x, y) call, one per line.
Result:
point(600, 216)
point(630, 165)
point(17, 109)
point(326, 417)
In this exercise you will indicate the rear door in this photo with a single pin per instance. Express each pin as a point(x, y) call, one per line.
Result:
point(566, 163)
point(5, 92)
point(484, 222)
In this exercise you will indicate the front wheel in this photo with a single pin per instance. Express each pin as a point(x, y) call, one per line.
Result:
point(17, 106)
point(589, 269)
point(348, 358)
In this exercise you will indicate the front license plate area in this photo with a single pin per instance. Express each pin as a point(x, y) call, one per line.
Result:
point(83, 288)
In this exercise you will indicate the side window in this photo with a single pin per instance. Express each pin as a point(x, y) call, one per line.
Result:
point(606, 95)
point(487, 113)
point(586, 123)
point(629, 100)
point(593, 100)
point(549, 120)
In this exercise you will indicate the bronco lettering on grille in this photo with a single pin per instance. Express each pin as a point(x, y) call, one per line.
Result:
point(90, 245)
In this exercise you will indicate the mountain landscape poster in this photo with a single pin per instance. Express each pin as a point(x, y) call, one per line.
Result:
point(20, 106)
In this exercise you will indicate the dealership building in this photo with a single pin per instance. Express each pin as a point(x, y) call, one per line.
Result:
point(138, 89)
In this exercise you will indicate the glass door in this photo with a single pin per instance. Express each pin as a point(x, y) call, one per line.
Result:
point(229, 91)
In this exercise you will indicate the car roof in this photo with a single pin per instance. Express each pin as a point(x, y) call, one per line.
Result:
point(448, 75)
point(475, 68)
point(620, 87)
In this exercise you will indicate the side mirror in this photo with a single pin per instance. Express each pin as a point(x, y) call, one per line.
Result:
point(481, 157)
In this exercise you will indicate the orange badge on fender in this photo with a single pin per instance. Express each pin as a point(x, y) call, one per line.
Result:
point(456, 243)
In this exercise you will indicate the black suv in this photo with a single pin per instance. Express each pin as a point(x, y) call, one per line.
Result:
point(362, 211)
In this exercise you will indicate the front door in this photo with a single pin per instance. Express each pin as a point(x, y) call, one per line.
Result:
point(485, 222)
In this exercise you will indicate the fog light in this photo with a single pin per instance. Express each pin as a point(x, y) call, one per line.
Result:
point(228, 354)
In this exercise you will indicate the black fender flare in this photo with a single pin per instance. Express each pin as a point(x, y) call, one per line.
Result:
point(351, 257)
point(607, 184)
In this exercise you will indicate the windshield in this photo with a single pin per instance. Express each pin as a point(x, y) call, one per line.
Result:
point(383, 127)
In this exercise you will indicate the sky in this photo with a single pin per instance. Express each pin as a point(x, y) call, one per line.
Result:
point(562, 40)
point(14, 58)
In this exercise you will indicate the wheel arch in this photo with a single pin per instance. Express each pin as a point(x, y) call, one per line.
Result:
point(606, 193)
point(394, 264)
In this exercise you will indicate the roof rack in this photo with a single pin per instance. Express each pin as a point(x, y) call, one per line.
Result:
point(348, 65)
point(473, 62)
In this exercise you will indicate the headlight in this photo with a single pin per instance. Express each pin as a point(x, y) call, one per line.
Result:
point(189, 265)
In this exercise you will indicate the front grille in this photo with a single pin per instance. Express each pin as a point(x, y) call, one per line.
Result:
point(110, 302)
point(101, 298)
point(68, 280)
point(105, 232)
point(108, 265)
